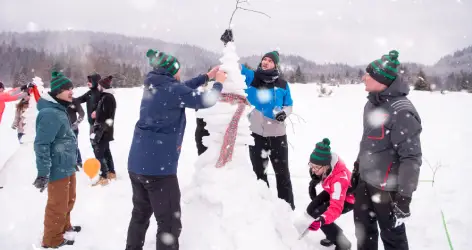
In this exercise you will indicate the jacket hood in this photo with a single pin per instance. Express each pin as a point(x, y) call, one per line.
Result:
point(46, 101)
point(398, 89)
point(158, 76)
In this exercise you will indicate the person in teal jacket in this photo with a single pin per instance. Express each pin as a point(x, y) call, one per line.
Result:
point(55, 147)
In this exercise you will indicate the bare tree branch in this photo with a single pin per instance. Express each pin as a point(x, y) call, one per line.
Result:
point(240, 8)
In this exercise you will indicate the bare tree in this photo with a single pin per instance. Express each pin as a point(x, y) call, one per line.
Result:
point(238, 2)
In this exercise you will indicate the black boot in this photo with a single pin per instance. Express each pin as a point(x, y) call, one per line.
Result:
point(326, 243)
point(64, 243)
point(75, 229)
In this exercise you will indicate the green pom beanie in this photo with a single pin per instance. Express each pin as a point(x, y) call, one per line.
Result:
point(59, 83)
point(384, 70)
point(321, 155)
point(158, 59)
point(274, 55)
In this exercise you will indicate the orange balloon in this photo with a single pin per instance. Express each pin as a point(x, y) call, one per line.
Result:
point(91, 167)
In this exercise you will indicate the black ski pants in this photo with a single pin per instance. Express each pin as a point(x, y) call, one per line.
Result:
point(200, 132)
point(159, 195)
point(333, 232)
point(367, 214)
point(278, 147)
point(103, 154)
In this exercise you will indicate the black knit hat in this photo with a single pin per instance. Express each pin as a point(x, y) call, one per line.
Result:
point(321, 155)
point(106, 82)
point(1, 85)
point(93, 79)
point(59, 83)
point(158, 59)
point(274, 55)
point(384, 70)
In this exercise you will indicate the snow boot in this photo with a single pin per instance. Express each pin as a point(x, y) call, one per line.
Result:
point(75, 229)
point(64, 243)
point(326, 243)
point(111, 176)
point(103, 182)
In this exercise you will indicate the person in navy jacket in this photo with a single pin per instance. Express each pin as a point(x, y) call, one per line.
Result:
point(155, 149)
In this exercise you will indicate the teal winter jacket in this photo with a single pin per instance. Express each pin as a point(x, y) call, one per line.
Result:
point(55, 144)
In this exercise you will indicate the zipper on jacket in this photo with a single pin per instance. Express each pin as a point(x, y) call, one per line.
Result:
point(386, 176)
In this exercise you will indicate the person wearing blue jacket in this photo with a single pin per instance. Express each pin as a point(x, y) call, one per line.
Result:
point(55, 146)
point(272, 101)
point(156, 144)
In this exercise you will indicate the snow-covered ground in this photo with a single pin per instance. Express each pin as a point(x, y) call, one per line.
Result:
point(104, 212)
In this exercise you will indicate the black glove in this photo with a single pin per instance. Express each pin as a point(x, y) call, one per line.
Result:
point(354, 178)
point(30, 85)
point(281, 116)
point(24, 87)
point(401, 209)
point(227, 36)
point(315, 180)
point(41, 183)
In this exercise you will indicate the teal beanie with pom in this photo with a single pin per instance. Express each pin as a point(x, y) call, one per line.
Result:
point(321, 155)
point(158, 59)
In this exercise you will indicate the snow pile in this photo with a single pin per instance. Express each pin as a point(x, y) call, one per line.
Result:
point(324, 90)
point(227, 208)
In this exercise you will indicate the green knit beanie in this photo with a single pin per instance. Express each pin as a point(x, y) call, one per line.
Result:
point(384, 70)
point(158, 59)
point(274, 55)
point(321, 155)
point(59, 83)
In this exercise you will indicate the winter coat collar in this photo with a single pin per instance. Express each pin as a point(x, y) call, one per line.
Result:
point(109, 91)
point(47, 101)
point(397, 89)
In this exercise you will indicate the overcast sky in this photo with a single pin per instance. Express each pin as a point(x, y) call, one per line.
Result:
point(347, 31)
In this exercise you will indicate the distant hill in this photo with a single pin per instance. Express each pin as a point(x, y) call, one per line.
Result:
point(86, 48)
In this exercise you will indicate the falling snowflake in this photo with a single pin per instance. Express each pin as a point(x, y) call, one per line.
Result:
point(377, 118)
point(109, 122)
point(167, 238)
point(264, 96)
point(376, 198)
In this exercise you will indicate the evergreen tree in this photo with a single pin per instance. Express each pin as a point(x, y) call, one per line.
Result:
point(360, 74)
point(299, 77)
point(422, 83)
point(322, 78)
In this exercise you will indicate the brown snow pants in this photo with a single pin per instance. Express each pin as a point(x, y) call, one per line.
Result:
point(61, 199)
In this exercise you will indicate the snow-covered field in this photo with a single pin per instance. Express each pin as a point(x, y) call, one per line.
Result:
point(104, 212)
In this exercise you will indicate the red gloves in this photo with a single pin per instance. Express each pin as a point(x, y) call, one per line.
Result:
point(317, 224)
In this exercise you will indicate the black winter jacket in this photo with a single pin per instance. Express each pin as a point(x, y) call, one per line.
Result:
point(91, 98)
point(105, 117)
point(72, 110)
point(390, 149)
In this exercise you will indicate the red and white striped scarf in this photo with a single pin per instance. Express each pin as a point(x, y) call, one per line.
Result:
point(226, 152)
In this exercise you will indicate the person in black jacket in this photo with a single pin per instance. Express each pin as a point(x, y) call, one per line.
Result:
point(103, 131)
point(91, 97)
point(389, 159)
point(72, 110)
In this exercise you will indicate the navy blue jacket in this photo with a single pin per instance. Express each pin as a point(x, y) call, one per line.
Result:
point(159, 132)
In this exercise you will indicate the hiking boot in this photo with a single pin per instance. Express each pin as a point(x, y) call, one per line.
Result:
point(326, 243)
point(111, 176)
point(103, 182)
point(75, 229)
point(64, 243)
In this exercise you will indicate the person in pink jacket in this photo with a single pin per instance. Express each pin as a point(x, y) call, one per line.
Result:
point(335, 199)
point(10, 96)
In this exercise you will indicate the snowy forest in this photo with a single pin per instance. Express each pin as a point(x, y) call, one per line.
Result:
point(77, 53)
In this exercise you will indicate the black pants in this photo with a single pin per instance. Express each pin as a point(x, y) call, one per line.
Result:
point(278, 147)
point(333, 232)
point(368, 213)
point(103, 154)
point(200, 132)
point(79, 156)
point(159, 195)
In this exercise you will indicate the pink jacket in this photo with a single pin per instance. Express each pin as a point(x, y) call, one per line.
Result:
point(336, 184)
point(9, 96)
